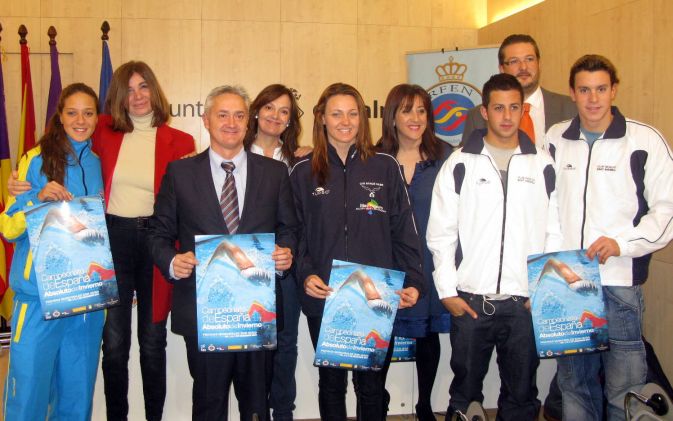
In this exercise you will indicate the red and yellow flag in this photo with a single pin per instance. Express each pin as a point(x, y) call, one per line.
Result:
point(6, 295)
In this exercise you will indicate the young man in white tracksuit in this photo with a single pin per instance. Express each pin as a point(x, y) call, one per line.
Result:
point(615, 190)
point(493, 204)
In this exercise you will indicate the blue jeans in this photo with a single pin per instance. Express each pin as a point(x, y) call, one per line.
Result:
point(507, 326)
point(625, 364)
point(283, 384)
point(133, 268)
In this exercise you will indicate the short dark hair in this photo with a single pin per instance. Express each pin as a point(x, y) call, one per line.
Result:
point(593, 63)
point(500, 82)
point(516, 39)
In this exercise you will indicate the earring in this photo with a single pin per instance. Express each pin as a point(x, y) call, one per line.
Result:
point(256, 117)
point(287, 125)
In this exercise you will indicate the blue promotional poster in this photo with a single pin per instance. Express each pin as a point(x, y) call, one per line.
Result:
point(567, 304)
point(71, 255)
point(235, 292)
point(404, 349)
point(358, 318)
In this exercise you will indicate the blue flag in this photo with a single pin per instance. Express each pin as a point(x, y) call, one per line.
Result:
point(105, 76)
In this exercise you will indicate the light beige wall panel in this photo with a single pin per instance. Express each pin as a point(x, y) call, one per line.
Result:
point(450, 38)
point(663, 63)
point(395, 12)
point(245, 53)
point(107, 9)
point(19, 8)
point(242, 53)
point(172, 49)
point(319, 11)
point(658, 317)
point(161, 9)
point(597, 6)
point(243, 10)
point(665, 255)
point(382, 62)
point(319, 55)
point(630, 51)
point(81, 38)
point(496, 9)
point(600, 32)
point(458, 14)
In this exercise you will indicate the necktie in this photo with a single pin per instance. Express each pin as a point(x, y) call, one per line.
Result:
point(527, 123)
point(229, 199)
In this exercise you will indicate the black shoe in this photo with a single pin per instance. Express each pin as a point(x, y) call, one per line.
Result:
point(424, 413)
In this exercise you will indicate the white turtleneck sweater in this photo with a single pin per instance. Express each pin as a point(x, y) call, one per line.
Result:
point(132, 190)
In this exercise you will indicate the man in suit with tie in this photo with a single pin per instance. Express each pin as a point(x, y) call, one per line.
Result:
point(223, 190)
point(519, 56)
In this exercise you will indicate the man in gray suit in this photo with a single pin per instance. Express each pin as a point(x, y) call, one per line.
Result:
point(519, 56)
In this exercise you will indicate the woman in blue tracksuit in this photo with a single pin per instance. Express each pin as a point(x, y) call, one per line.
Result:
point(353, 206)
point(53, 364)
point(409, 135)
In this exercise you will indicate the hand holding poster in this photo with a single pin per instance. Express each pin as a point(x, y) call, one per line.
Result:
point(358, 318)
point(567, 304)
point(71, 253)
point(235, 292)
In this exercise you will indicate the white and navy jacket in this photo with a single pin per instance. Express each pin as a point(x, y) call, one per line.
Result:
point(362, 214)
point(621, 187)
point(480, 236)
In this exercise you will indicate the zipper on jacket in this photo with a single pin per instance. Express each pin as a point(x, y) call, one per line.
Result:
point(584, 204)
point(81, 167)
point(504, 220)
point(345, 212)
point(504, 217)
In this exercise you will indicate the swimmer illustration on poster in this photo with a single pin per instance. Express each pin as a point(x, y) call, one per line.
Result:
point(567, 304)
point(358, 318)
point(235, 292)
point(71, 256)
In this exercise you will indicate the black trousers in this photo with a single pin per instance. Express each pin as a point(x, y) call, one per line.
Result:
point(505, 325)
point(332, 384)
point(213, 374)
point(133, 269)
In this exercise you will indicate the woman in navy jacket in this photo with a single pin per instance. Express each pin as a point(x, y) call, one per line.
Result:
point(353, 206)
point(409, 135)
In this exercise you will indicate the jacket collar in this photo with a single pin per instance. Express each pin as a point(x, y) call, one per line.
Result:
point(334, 158)
point(475, 143)
point(616, 129)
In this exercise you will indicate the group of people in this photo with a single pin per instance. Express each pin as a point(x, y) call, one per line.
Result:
point(536, 172)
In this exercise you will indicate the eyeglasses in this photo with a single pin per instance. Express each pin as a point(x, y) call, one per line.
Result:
point(516, 61)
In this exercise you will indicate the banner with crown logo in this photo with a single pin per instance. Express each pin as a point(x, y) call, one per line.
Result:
point(454, 80)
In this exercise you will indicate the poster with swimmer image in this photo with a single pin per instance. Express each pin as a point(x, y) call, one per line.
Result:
point(235, 292)
point(404, 349)
point(567, 304)
point(71, 256)
point(357, 321)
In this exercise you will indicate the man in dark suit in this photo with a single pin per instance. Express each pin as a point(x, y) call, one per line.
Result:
point(223, 190)
point(519, 56)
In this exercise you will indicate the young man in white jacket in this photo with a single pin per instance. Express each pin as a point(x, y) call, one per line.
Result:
point(615, 183)
point(493, 204)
